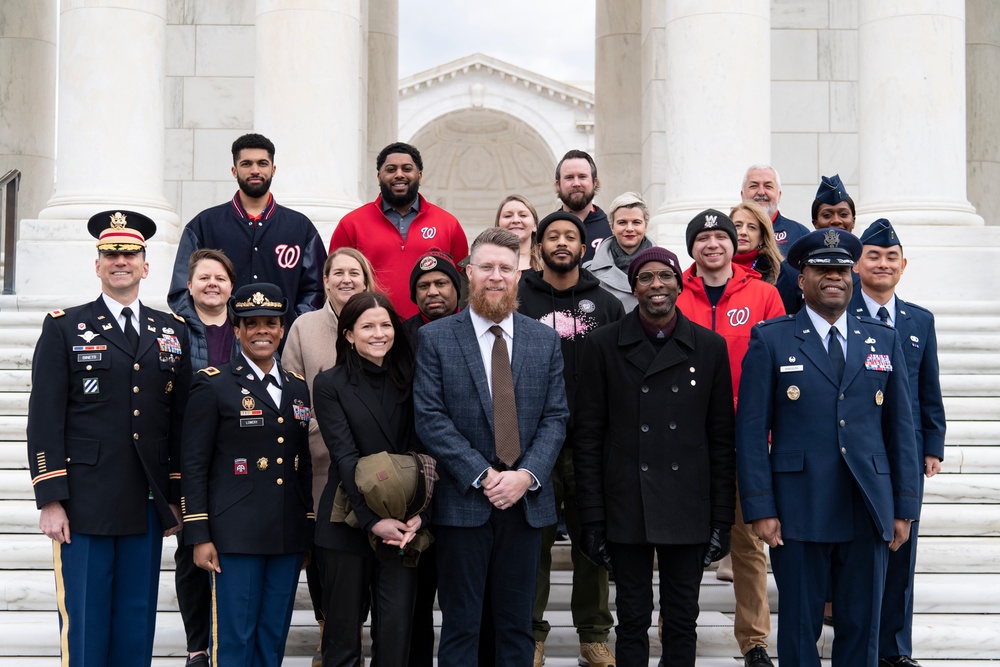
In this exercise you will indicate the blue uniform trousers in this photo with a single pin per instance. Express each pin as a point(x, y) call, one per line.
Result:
point(252, 600)
point(896, 627)
point(106, 589)
point(804, 571)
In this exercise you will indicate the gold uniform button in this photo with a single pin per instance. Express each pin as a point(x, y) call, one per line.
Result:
point(280, 481)
point(279, 461)
point(280, 440)
point(135, 413)
point(89, 367)
point(135, 390)
point(135, 436)
point(281, 420)
point(135, 367)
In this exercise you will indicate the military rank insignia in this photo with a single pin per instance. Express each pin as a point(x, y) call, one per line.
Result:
point(878, 362)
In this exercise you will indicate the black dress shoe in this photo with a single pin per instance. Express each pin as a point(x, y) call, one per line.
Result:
point(200, 660)
point(898, 661)
point(757, 657)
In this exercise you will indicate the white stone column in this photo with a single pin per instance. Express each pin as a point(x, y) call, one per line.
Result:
point(109, 151)
point(617, 95)
point(717, 103)
point(306, 100)
point(911, 91)
point(982, 52)
point(110, 114)
point(28, 104)
point(383, 86)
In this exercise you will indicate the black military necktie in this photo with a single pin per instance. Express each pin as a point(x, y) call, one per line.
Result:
point(883, 314)
point(836, 354)
point(506, 439)
point(131, 335)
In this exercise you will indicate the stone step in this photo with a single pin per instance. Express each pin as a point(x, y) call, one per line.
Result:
point(969, 408)
point(34, 590)
point(937, 635)
point(974, 459)
point(550, 661)
point(937, 554)
point(958, 362)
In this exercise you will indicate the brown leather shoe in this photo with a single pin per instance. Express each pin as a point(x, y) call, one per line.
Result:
point(596, 654)
point(539, 654)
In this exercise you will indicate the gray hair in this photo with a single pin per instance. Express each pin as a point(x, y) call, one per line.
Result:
point(777, 177)
point(499, 237)
point(628, 200)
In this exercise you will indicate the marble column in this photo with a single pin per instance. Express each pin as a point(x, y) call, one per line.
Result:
point(306, 99)
point(109, 149)
point(28, 104)
point(110, 115)
point(717, 106)
point(617, 94)
point(982, 55)
point(911, 95)
point(383, 86)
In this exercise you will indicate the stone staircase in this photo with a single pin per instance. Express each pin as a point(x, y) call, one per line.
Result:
point(958, 579)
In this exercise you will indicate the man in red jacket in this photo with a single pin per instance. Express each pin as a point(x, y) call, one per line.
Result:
point(730, 300)
point(399, 226)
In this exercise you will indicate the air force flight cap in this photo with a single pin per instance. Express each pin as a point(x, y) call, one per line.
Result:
point(121, 231)
point(880, 233)
point(831, 191)
point(258, 300)
point(825, 247)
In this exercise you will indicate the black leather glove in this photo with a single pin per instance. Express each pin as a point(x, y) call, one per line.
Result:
point(718, 545)
point(594, 547)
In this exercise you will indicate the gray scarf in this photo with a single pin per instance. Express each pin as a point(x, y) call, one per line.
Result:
point(621, 258)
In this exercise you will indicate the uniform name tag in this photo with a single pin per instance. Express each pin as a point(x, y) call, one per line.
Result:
point(251, 421)
point(791, 369)
point(93, 356)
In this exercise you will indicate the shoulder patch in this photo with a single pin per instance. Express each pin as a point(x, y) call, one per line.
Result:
point(297, 375)
point(57, 313)
point(210, 371)
point(178, 317)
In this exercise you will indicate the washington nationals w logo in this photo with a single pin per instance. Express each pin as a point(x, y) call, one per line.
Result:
point(288, 255)
point(738, 316)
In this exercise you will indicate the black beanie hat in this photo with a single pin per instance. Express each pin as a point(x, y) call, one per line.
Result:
point(710, 219)
point(433, 260)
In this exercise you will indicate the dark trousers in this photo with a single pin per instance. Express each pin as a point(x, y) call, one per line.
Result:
point(680, 581)
point(804, 571)
point(107, 588)
point(503, 555)
point(895, 635)
point(589, 602)
point(252, 608)
point(194, 596)
point(422, 634)
point(348, 581)
point(315, 586)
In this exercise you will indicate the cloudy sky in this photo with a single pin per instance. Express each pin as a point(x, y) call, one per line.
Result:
point(556, 40)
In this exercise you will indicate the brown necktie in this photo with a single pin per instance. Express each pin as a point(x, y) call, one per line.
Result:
point(506, 440)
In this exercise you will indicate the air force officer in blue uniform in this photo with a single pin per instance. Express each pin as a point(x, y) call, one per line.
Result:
point(839, 484)
point(109, 386)
point(880, 267)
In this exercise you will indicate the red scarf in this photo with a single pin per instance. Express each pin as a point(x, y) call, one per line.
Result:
point(747, 259)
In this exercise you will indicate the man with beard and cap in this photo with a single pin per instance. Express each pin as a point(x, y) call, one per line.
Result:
point(109, 385)
point(762, 184)
point(265, 241)
point(576, 185)
point(721, 295)
point(654, 460)
point(880, 267)
point(434, 288)
point(400, 226)
point(568, 298)
point(826, 454)
point(490, 403)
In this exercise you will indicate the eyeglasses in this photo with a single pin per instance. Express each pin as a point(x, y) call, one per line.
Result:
point(665, 277)
point(506, 270)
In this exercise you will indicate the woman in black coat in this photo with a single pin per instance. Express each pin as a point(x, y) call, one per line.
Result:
point(364, 405)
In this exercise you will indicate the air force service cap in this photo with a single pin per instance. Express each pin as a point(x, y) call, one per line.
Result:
point(121, 231)
point(825, 247)
point(880, 233)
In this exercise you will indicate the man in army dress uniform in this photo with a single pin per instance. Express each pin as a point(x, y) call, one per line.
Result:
point(109, 386)
point(247, 501)
point(838, 486)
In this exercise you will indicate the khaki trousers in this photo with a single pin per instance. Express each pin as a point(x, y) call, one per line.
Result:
point(753, 615)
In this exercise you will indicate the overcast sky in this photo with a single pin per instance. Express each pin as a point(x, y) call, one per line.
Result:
point(554, 38)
